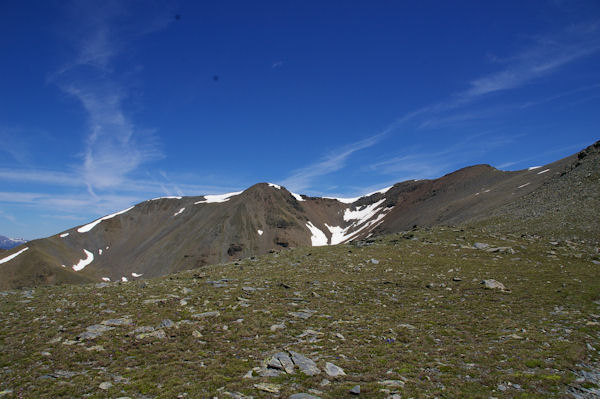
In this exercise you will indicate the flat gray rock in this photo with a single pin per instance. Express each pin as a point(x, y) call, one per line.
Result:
point(355, 390)
point(332, 370)
point(282, 361)
point(269, 372)
point(304, 396)
point(306, 365)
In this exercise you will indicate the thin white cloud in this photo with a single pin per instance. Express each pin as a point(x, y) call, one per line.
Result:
point(560, 95)
point(115, 147)
point(41, 177)
point(419, 163)
point(303, 178)
point(548, 54)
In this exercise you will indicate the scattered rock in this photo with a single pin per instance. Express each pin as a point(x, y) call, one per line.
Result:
point(205, 315)
point(167, 323)
point(197, 334)
point(94, 331)
point(268, 387)
point(303, 314)
point(105, 385)
point(392, 383)
point(276, 327)
point(481, 245)
point(507, 250)
point(303, 396)
point(332, 370)
point(153, 301)
point(493, 285)
point(374, 261)
point(160, 334)
point(355, 390)
point(118, 322)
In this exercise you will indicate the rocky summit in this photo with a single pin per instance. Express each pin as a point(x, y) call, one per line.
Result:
point(479, 284)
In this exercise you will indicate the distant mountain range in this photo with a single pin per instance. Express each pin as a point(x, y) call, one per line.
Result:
point(165, 235)
point(8, 243)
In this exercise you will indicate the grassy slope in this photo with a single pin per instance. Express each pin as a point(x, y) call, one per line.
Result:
point(467, 341)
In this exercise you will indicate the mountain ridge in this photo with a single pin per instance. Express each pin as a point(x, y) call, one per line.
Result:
point(166, 235)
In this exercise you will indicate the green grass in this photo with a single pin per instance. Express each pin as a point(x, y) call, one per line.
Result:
point(466, 341)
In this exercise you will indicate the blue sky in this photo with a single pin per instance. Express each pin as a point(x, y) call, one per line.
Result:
point(105, 104)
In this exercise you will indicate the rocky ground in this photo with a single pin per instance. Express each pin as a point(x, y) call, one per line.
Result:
point(446, 312)
point(566, 206)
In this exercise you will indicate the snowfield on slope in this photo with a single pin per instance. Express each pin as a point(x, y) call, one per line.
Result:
point(90, 226)
point(318, 238)
point(354, 199)
point(209, 199)
point(11, 257)
point(84, 262)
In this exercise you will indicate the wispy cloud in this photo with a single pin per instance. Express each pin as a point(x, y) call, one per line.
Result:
point(418, 162)
point(115, 146)
point(41, 177)
point(302, 178)
point(547, 54)
point(560, 95)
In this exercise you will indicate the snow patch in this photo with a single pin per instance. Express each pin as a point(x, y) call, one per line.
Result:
point(137, 275)
point(534, 167)
point(169, 197)
point(543, 171)
point(523, 185)
point(105, 279)
point(64, 235)
point(298, 197)
point(209, 199)
point(88, 227)
point(340, 235)
point(100, 251)
point(317, 238)
point(10, 257)
point(363, 213)
point(260, 232)
point(124, 279)
point(84, 262)
point(351, 200)
point(179, 212)
point(275, 185)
